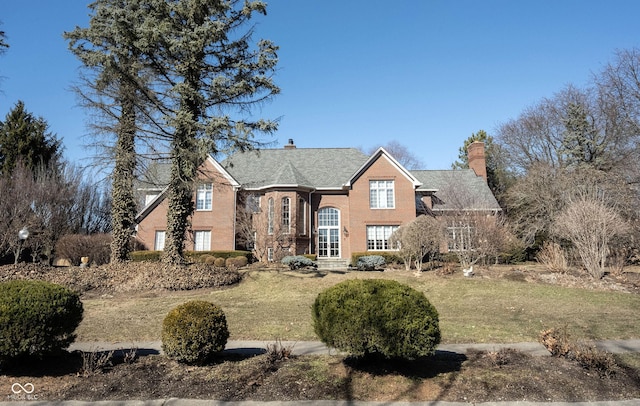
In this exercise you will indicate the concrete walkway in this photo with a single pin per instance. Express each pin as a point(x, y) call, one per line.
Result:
point(316, 347)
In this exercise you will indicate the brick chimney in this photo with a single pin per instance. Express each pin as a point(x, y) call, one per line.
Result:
point(475, 156)
point(290, 145)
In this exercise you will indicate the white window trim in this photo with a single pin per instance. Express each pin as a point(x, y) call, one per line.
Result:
point(205, 244)
point(286, 214)
point(159, 240)
point(270, 216)
point(204, 195)
point(302, 217)
point(382, 188)
point(383, 231)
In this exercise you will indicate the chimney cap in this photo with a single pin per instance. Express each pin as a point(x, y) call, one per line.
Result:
point(290, 144)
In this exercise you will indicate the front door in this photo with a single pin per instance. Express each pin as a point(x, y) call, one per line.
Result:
point(328, 233)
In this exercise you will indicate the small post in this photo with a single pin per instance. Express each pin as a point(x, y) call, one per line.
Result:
point(23, 234)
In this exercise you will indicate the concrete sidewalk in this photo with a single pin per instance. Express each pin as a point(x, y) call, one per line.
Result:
point(193, 402)
point(316, 347)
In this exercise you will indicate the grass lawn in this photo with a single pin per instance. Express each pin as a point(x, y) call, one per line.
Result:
point(269, 305)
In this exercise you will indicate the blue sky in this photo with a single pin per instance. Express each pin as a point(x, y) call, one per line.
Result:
point(360, 73)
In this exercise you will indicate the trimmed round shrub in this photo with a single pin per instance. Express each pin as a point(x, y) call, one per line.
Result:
point(219, 262)
point(194, 332)
point(236, 262)
point(36, 318)
point(376, 317)
point(241, 261)
point(209, 260)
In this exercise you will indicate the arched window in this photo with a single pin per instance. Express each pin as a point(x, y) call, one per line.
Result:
point(329, 232)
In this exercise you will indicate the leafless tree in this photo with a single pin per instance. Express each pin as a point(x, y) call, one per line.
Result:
point(401, 154)
point(539, 197)
point(618, 87)
point(590, 225)
point(15, 209)
point(49, 204)
point(420, 238)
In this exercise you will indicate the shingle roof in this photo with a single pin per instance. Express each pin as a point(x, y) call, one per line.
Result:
point(457, 189)
point(155, 177)
point(332, 168)
point(318, 168)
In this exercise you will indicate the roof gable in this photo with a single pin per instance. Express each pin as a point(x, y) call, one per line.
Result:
point(161, 196)
point(381, 153)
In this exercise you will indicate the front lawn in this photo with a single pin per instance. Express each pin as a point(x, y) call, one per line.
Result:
point(493, 306)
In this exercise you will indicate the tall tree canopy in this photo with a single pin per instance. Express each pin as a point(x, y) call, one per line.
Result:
point(187, 73)
point(25, 138)
point(116, 85)
point(211, 74)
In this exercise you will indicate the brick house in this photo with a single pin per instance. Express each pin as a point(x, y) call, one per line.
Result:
point(331, 202)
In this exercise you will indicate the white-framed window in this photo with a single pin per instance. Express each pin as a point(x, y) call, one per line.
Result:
point(302, 217)
point(381, 194)
point(270, 254)
point(270, 216)
point(204, 196)
point(378, 238)
point(286, 215)
point(202, 240)
point(158, 243)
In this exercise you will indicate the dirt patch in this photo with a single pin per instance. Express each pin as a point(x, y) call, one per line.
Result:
point(476, 377)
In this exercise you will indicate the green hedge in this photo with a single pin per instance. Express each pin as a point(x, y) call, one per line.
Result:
point(194, 256)
point(376, 316)
point(36, 318)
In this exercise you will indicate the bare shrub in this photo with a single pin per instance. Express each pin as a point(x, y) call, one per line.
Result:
point(552, 256)
point(278, 352)
point(75, 246)
point(503, 356)
point(556, 341)
point(560, 344)
point(590, 225)
point(95, 362)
